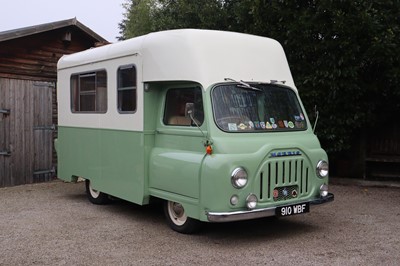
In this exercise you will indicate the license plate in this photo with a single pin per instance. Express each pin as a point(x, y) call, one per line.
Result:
point(292, 209)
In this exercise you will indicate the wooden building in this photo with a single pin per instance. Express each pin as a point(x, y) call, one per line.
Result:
point(28, 107)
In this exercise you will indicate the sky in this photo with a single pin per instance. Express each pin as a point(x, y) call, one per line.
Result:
point(101, 16)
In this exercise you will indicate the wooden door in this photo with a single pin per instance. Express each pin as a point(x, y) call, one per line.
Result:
point(26, 131)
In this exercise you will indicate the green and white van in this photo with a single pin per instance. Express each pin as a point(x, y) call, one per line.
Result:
point(210, 122)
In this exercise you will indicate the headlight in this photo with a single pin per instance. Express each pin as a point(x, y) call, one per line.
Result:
point(239, 177)
point(251, 201)
point(322, 169)
point(323, 190)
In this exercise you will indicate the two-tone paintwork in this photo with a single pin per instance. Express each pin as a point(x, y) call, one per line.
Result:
point(136, 156)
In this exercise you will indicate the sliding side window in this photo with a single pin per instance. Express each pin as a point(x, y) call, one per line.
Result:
point(126, 89)
point(89, 92)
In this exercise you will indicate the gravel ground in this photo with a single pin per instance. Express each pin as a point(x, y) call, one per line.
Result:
point(54, 224)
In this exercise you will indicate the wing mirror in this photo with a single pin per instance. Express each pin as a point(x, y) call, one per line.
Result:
point(189, 110)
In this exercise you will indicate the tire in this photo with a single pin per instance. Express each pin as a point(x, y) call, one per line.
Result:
point(95, 196)
point(178, 220)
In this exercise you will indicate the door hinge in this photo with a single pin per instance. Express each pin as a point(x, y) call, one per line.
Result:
point(44, 84)
point(41, 172)
point(5, 111)
point(5, 153)
point(51, 127)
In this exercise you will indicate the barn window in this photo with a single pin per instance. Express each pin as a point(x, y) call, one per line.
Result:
point(89, 92)
point(126, 89)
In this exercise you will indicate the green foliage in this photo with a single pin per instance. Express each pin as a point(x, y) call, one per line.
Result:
point(137, 19)
point(144, 16)
point(344, 55)
point(201, 14)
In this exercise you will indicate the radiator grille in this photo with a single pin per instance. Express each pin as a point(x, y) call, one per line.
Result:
point(281, 176)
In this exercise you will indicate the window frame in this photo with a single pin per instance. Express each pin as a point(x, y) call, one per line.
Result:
point(120, 89)
point(77, 92)
point(183, 87)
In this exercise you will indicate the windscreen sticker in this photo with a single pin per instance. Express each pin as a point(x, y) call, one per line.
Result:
point(232, 126)
point(242, 126)
point(300, 124)
point(285, 123)
point(251, 125)
point(272, 120)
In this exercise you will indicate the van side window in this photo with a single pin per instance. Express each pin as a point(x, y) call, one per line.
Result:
point(126, 89)
point(89, 92)
point(176, 100)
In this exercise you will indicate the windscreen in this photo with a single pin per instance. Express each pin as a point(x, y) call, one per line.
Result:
point(257, 108)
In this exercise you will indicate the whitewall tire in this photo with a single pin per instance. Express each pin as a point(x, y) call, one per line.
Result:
point(178, 220)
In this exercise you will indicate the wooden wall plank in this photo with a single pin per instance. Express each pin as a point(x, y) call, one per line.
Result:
point(17, 133)
point(2, 133)
point(11, 132)
point(30, 90)
point(6, 123)
point(43, 137)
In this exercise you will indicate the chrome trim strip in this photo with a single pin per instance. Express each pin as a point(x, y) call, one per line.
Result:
point(219, 217)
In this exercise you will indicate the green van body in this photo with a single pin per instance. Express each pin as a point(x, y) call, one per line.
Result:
point(141, 156)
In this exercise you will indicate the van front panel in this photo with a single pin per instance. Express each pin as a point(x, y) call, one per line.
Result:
point(281, 170)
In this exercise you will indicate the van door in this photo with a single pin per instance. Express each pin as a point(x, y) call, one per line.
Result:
point(178, 152)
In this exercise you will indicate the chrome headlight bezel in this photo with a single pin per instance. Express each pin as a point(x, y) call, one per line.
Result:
point(324, 190)
point(251, 201)
point(322, 169)
point(239, 177)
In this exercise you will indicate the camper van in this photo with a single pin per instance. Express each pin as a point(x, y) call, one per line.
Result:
point(209, 122)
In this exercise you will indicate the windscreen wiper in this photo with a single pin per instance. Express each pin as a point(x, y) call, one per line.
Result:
point(243, 84)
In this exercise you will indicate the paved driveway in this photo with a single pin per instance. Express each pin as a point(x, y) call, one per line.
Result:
point(54, 224)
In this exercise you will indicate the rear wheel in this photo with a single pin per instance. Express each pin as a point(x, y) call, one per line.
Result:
point(178, 220)
point(95, 196)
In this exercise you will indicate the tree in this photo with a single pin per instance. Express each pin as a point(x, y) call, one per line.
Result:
point(137, 18)
point(144, 16)
point(344, 55)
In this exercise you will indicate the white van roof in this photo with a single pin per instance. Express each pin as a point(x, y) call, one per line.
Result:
point(204, 56)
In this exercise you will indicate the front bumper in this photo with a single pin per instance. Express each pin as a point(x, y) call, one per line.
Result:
point(219, 217)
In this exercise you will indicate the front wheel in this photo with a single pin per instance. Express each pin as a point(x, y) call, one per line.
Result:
point(95, 196)
point(178, 220)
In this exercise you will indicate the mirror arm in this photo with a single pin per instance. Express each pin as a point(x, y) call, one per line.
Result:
point(316, 118)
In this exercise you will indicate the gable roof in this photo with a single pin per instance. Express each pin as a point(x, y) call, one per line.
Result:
point(26, 31)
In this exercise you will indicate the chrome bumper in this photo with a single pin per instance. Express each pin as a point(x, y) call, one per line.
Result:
point(219, 217)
